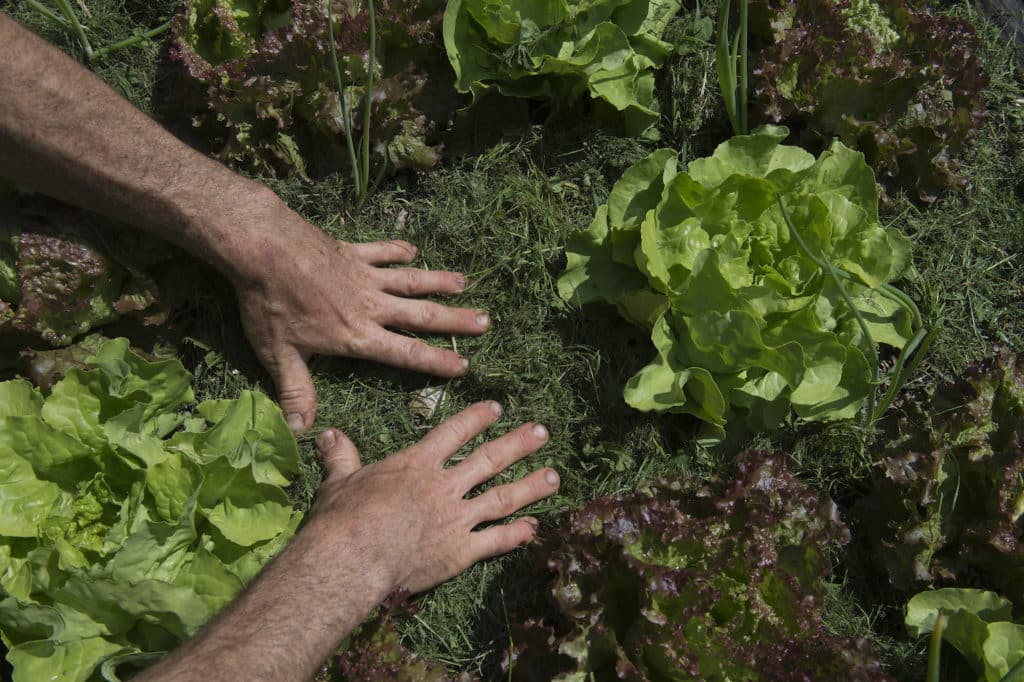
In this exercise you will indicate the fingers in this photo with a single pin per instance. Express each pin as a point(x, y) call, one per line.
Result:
point(497, 455)
point(384, 253)
point(442, 442)
point(507, 499)
point(498, 540)
point(295, 390)
point(407, 353)
point(424, 316)
point(413, 282)
point(337, 453)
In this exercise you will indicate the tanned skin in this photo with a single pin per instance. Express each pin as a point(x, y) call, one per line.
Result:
point(401, 523)
point(64, 133)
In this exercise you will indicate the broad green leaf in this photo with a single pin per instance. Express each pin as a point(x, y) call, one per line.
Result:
point(1003, 649)
point(18, 398)
point(68, 661)
point(924, 607)
point(758, 154)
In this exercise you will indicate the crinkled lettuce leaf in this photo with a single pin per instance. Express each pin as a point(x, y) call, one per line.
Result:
point(716, 582)
point(562, 50)
point(948, 505)
point(890, 78)
point(268, 95)
point(743, 322)
point(121, 533)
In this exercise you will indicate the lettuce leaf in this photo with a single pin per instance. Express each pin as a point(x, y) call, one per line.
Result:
point(560, 51)
point(948, 504)
point(120, 532)
point(743, 322)
point(268, 96)
point(716, 582)
point(887, 77)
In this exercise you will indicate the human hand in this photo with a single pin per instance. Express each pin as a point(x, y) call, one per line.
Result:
point(304, 293)
point(409, 514)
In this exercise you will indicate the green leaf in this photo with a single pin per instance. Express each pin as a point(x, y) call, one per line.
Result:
point(18, 398)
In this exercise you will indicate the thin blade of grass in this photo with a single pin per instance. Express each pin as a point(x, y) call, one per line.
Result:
point(742, 95)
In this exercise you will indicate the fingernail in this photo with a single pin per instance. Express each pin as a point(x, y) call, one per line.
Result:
point(483, 320)
point(326, 440)
point(462, 283)
point(551, 477)
point(296, 422)
point(532, 521)
point(540, 432)
point(496, 408)
point(464, 365)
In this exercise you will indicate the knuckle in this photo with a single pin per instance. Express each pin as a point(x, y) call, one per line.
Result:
point(427, 315)
point(504, 501)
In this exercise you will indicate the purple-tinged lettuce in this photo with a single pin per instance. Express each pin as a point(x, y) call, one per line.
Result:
point(375, 652)
point(64, 273)
point(270, 99)
point(948, 508)
point(721, 581)
point(900, 84)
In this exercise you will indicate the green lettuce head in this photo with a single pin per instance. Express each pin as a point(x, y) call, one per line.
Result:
point(125, 522)
point(744, 321)
point(562, 50)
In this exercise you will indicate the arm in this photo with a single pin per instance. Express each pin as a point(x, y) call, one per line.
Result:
point(401, 522)
point(64, 133)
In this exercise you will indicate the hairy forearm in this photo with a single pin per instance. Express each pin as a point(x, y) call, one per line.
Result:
point(65, 133)
point(290, 619)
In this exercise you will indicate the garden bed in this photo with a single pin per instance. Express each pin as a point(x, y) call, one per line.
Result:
point(501, 207)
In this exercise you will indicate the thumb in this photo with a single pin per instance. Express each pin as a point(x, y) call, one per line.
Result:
point(338, 454)
point(295, 390)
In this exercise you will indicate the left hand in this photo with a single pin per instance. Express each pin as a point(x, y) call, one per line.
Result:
point(304, 293)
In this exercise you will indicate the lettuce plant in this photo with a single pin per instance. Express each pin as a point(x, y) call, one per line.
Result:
point(741, 297)
point(898, 83)
point(711, 582)
point(61, 275)
point(125, 522)
point(270, 97)
point(562, 50)
point(978, 624)
point(948, 505)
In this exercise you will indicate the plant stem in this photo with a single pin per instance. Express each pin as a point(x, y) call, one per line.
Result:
point(726, 67)
point(935, 648)
point(742, 95)
point(827, 266)
point(368, 97)
point(133, 40)
point(76, 26)
point(346, 121)
point(47, 13)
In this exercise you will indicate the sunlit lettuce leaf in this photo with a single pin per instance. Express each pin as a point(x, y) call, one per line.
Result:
point(979, 624)
point(744, 322)
point(120, 534)
point(562, 50)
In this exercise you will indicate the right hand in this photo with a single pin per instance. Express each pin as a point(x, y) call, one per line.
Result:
point(409, 514)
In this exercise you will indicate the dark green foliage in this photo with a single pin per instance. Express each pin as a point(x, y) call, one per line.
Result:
point(721, 581)
point(269, 94)
point(903, 85)
point(948, 508)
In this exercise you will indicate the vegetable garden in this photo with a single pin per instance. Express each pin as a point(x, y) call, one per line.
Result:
point(756, 265)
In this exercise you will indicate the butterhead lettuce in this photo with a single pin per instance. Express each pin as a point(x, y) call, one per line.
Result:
point(125, 522)
point(743, 320)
